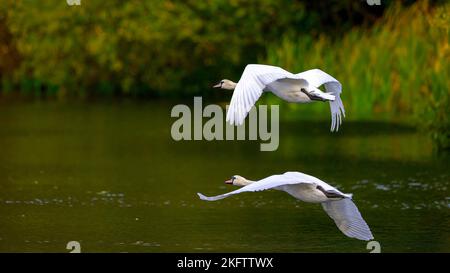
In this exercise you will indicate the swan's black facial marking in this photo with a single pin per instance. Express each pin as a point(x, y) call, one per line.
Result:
point(219, 85)
point(231, 181)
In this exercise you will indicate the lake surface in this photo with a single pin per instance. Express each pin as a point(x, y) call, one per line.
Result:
point(109, 176)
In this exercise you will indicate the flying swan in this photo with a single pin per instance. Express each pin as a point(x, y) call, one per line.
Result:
point(339, 206)
point(299, 88)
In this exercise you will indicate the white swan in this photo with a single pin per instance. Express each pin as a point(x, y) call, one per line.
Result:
point(339, 206)
point(298, 88)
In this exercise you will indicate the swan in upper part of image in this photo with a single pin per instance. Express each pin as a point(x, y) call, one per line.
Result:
point(299, 88)
point(339, 206)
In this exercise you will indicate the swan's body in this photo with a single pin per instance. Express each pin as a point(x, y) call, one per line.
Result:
point(339, 206)
point(288, 90)
point(297, 88)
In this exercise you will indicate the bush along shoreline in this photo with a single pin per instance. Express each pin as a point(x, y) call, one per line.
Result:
point(400, 67)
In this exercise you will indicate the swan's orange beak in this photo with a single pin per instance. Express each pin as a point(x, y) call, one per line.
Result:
point(230, 182)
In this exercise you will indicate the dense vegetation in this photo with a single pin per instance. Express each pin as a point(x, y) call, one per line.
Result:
point(151, 47)
point(391, 58)
point(400, 67)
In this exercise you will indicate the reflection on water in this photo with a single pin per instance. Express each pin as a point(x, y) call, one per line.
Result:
point(111, 177)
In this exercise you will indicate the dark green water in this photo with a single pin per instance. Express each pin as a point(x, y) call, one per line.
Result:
point(111, 177)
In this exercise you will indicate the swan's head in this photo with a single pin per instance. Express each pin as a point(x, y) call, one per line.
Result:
point(225, 84)
point(237, 180)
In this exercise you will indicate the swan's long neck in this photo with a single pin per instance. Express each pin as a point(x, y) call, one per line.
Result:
point(247, 182)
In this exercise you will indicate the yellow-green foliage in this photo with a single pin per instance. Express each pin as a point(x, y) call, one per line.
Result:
point(133, 46)
point(400, 66)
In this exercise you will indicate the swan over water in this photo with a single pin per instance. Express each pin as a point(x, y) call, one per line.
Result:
point(298, 88)
point(339, 206)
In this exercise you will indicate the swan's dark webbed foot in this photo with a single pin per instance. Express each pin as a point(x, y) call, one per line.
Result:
point(312, 96)
point(330, 194)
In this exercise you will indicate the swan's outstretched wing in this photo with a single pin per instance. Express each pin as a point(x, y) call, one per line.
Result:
point(317, 77)
point(348, 219)
point(261, 185)
point(250, 87)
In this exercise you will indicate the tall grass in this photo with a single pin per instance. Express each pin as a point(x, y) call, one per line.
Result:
point(400, 67)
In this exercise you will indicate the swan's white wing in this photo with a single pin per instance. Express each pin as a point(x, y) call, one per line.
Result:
point(250, 87)
point(261, 185)
point(348, 219)
point(317, 77)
